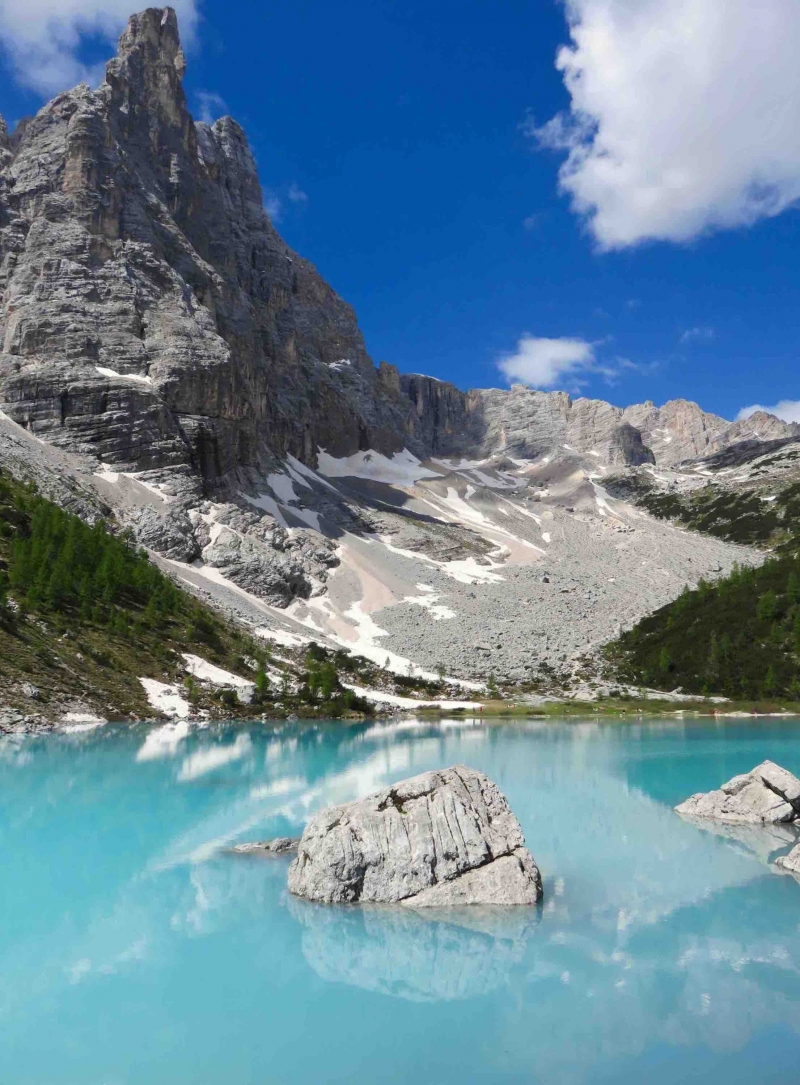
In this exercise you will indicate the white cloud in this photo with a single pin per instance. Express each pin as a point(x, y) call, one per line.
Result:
point(700, 334)
point(296, 194)
point(684, 115)
point(543, 363)
point(273, 206)
point(211, 106)
point(42, 38)
point(787, 409)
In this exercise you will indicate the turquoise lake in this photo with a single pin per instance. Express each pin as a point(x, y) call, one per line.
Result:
point(136, 950)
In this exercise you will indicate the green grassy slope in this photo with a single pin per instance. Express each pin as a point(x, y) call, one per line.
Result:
point(739, 637)
point(84, 614)
point(736, 517)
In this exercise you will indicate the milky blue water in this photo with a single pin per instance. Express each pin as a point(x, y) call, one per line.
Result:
point(135, 949)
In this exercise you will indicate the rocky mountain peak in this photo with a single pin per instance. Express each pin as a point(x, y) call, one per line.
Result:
point(150, 62)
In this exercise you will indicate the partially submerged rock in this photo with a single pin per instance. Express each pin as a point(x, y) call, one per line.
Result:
point(281, 845)
point(790, 862)
point(766, 795)
point(441, 839)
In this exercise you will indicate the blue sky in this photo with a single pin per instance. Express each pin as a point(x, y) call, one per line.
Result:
point(404, 148)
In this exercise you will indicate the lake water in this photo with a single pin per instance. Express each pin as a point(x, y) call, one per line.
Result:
point(135, 949)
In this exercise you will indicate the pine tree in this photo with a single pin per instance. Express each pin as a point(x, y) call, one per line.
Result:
point(712, 664)
point(793, 588)
point(770, 684)
point(767, 606)
point(261, 692)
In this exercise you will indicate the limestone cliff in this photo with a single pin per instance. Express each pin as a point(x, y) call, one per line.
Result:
point(527, 423)
point(150, 312)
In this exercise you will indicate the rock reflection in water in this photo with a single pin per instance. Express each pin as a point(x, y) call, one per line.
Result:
point(764, 842)
point(429, 956)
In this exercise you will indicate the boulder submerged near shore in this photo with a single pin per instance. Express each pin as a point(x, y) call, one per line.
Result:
point(446, 838)
point(767, 795)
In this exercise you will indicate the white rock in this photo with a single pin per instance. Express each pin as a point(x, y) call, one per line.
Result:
point(445, 838)
point(767, 794)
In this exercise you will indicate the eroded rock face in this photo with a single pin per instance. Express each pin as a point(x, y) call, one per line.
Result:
point(766, 795)
point(149, 312)
point(446, 838)
point(626, 448)
point(524, 422)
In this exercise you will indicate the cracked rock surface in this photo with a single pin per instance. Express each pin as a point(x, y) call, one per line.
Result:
point(768, 794)
point(444, 838)
point(280, 846)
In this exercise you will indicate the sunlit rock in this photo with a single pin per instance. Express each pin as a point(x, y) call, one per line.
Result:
point(439, 839)
point(766, 795)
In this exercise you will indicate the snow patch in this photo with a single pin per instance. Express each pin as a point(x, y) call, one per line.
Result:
point(114, 476)
point(489, 482)
point(104, 372)
point(267, 504)
point(377, 696)
point(166, 698)
point(295, 467)
point(401, 469)
point(308, 516)
point(108, 476)
point(283, 637)
point(217, 676)
point(468, 571)
point(438, 612)
point(77, 722)
point(602, 497)
point(281, 486)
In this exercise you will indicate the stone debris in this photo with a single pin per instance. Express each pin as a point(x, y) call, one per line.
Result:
point(442, 839)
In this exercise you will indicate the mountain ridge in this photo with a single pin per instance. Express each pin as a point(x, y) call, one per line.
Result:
point(152, 316)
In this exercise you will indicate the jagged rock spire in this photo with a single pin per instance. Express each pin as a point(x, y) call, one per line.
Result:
point(145, 76)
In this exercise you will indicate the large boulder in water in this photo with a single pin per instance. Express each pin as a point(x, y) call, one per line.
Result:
point(441, 839)
point(766, 795)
